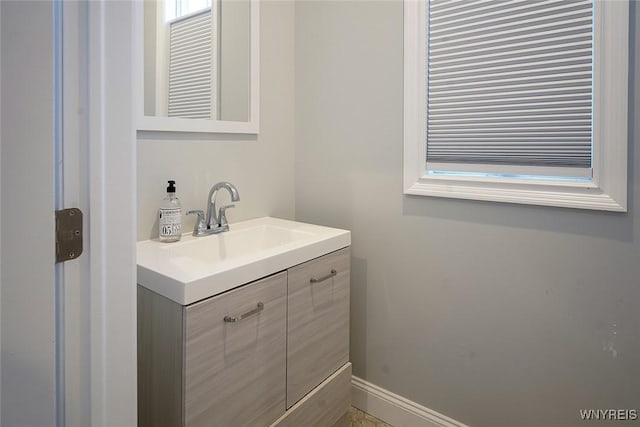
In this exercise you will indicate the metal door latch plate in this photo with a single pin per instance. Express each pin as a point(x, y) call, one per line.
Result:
point(68, 234)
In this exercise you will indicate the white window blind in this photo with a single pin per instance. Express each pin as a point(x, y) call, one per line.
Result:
point(191, 76)
point(510, 83)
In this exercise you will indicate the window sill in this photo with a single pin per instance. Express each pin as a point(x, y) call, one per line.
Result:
point(580, 196)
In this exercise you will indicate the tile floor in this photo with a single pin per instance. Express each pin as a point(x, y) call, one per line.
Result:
point(358, 418)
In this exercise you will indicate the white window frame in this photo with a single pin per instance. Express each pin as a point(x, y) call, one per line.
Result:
point(608, 188)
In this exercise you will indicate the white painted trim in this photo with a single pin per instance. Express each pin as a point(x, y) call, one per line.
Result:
point(394, 409)
point(174, 124)
point(73, 293)
point(254, 79)
point(162, 76)
point(112, 165)
point(0, 221)
point(608, 190)
point(611, 88)
point(96, 225)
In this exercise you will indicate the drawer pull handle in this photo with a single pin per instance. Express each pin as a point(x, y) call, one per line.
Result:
point(234, 319)
point(323, 278)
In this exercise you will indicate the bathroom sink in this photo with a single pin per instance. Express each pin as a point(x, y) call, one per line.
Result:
point(199, 267)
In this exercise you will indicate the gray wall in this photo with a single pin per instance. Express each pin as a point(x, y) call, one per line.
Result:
point(492, 314)
point(260, 167)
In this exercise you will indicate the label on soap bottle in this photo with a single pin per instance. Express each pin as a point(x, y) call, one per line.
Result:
point(170, 224)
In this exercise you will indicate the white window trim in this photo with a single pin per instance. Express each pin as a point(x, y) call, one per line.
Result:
point(608, 188)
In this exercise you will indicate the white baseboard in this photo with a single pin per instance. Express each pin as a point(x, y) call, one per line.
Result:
point(395, 410)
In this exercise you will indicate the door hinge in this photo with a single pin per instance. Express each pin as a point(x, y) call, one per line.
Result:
point(68, 234)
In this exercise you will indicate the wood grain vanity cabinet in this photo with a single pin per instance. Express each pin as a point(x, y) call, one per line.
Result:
point(318, 322)
point(196, 369)
point(273, 352)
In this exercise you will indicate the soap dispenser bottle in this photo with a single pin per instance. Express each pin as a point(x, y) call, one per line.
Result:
point(170, 216)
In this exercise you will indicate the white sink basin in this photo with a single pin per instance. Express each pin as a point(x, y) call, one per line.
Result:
point(199, 267)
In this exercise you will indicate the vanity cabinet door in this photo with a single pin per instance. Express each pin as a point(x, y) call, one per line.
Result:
point(235, 349)
point(318, 322)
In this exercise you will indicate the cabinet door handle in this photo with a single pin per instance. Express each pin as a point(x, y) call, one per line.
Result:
point(239, 317)
point(323, 278)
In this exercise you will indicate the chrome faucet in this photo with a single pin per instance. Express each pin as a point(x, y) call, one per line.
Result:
point(214, 222)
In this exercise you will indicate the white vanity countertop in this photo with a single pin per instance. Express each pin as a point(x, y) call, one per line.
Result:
point(199, 267)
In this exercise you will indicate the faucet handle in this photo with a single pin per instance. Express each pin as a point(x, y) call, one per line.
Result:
point(201, 226)
point(222, 215)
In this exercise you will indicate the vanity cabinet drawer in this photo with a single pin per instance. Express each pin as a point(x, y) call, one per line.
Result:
point(325, 406)
point(317, 321)
point(234, 356)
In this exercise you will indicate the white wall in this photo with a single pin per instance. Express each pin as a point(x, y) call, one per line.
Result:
point(260, 167)
point(492, 314)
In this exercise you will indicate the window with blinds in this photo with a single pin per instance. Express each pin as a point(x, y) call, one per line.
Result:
point(517, 101)
point(510, 86)
point(191, 86)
